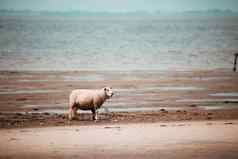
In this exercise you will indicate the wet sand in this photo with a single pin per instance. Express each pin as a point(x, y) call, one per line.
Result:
point(40, 98)
point(203, 139)
point(28, 120)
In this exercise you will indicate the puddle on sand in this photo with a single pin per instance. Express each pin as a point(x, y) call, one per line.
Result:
point(213, 107)
point(178, 88)
point(33, 80)
point(29, 91)
point(207, 100)
point(84, 78)
point(210, 78)
point(163, 88)
point(225, 94)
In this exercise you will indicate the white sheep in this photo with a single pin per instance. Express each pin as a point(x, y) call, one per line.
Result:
point(86, 99)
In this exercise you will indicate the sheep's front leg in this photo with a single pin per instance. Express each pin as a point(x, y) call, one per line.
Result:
point(95, 117)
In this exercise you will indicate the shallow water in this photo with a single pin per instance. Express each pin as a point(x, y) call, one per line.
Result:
point(225, 94)
point(28, 91)
point(208, 100)
point(179, 88)
point(91, 77)
point(210, 78)
point(153, 89)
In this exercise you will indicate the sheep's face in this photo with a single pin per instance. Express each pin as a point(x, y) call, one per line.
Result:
point(108, 91)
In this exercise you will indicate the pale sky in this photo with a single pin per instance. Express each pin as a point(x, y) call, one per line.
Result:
point(119, 5)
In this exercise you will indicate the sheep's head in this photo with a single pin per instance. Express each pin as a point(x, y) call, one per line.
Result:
point(108, 92)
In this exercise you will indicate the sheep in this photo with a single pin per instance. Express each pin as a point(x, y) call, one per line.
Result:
point(86, 99)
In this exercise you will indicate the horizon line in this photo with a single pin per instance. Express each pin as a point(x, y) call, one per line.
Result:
point(131, 11)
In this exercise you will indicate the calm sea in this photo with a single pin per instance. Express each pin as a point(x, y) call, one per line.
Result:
point(117, 42)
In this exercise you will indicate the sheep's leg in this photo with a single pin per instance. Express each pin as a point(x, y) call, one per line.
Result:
point(95, 117)
point(72, 112)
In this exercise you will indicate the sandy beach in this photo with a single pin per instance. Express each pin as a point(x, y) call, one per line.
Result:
point(216, 140)
point(170, 66)
point(176, 114)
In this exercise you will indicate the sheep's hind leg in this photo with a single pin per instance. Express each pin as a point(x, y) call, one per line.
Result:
point(73, 112)
point(71, 116)
point(95, 117)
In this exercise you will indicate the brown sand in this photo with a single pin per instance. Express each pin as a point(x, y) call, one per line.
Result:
point(206, 140)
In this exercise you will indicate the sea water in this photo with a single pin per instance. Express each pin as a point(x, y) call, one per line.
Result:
point(117, 42)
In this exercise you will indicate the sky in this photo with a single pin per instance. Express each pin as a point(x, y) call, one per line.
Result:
point(119, 5)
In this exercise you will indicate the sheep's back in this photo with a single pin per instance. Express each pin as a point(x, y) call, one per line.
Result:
point(84, 98)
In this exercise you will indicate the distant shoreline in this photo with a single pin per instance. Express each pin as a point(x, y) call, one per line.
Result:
point(209, 12)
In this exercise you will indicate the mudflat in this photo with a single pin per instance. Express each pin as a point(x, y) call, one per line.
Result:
point(40, 98)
